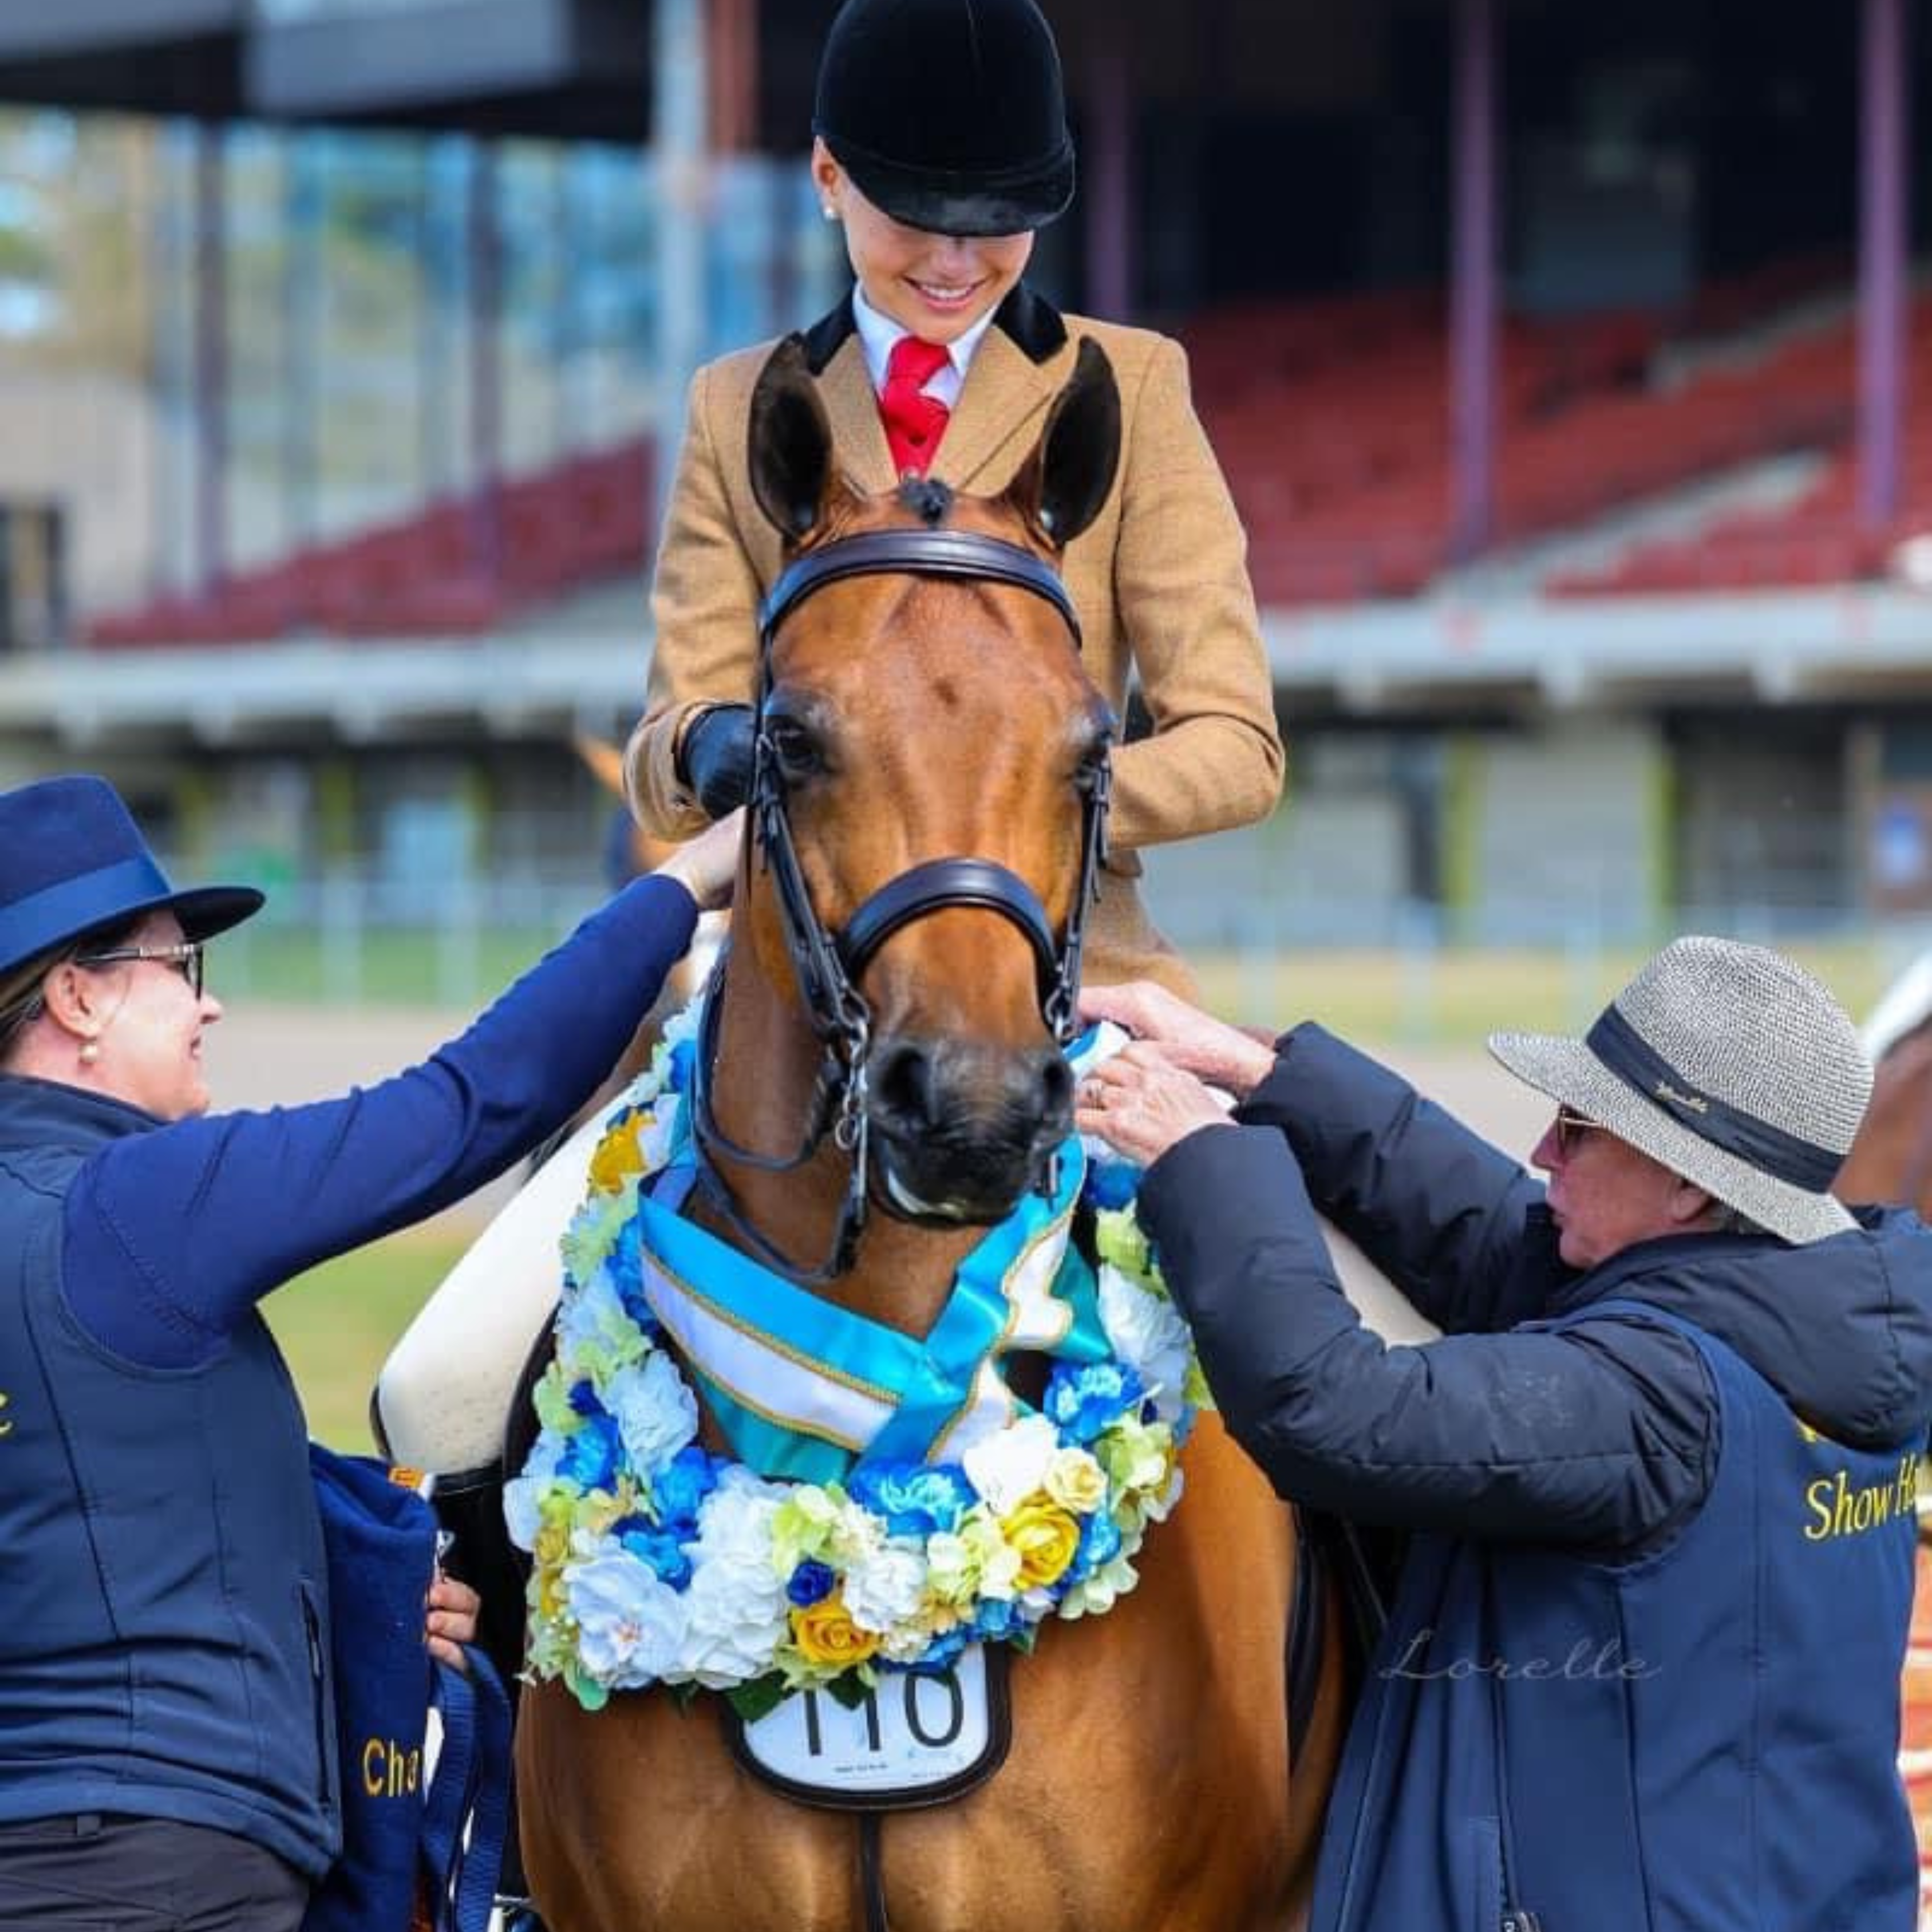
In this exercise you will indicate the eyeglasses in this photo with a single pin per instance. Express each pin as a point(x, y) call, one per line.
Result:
point(186, 958)
point(1571, 1126)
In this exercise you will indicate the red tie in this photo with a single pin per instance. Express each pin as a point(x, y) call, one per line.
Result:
point(914, 422)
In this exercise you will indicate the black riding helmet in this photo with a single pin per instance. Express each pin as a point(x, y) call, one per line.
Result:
point(949, 115)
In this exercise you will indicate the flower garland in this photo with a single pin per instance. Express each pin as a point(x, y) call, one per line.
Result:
point(657, 1561)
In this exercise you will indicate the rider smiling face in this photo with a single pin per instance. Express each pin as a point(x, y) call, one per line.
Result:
point(937, 286)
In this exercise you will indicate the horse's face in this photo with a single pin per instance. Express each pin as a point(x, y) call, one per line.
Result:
point(911, 719)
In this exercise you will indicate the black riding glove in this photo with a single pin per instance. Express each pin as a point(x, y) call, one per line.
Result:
point(715, 760)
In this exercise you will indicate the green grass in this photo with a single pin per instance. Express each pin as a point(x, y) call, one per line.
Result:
point(1455, 997)
point(338, 1322)
point(391, 967)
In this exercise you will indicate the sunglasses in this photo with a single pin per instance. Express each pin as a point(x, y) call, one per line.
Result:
point(186, 959)
point(1571, 1126)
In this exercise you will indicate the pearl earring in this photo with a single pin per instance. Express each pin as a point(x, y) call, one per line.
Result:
point(830, 213)
point(90, 1051)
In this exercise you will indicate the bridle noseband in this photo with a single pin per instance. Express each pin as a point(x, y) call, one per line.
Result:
point(830, 964)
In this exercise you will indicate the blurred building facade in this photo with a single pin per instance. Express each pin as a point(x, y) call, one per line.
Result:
point(339, 338)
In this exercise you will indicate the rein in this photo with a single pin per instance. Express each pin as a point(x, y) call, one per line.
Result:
point(829, 963)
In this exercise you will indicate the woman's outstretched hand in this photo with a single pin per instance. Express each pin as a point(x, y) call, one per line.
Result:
point(707, 866)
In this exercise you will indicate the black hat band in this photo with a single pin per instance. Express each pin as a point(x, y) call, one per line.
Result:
point(1784, 1157)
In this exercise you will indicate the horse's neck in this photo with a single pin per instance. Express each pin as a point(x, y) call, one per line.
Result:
point(763, 1087)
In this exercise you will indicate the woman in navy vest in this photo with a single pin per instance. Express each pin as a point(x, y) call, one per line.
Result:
point(166, 1748)
point(1642, 1667)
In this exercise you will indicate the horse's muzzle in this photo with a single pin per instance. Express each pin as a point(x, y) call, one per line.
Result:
point(961, 1132)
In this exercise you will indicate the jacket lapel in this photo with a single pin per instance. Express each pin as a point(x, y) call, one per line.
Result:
point(845, 387)
point(1015, 372)
point(1005, 396)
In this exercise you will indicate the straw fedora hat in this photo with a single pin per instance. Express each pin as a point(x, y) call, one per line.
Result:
point(1730, 1065)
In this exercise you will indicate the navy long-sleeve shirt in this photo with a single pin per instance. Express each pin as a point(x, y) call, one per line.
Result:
point(171, 1236)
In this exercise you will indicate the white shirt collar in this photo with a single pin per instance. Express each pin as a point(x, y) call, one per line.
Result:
point(878, 334)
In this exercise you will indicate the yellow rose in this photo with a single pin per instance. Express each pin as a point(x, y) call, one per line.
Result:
point(553, 1545)
point(617, 1156)
point(1045, 1538)
point(1076, 1482)
point(825, 1635)
point(602, 1507)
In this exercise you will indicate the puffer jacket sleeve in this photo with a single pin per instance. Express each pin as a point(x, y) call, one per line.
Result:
point(1600, 1434)
point(1434, 1206)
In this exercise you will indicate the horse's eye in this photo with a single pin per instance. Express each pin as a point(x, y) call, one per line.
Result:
point(795, 747)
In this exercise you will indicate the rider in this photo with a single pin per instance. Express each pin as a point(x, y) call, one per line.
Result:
point(163, 1691)
point(941, 145)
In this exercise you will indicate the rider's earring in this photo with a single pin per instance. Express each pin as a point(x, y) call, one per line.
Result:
point(830, 213)
point(90, 1051)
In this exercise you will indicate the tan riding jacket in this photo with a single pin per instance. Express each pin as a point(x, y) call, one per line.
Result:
point(1160, 581)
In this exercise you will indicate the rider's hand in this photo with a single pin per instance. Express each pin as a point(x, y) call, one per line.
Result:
point(1197, 1042)
point(715, 757)
point(707, 866)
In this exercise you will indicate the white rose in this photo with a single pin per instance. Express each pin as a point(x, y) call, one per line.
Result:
point(631, 1626)
point(885, 1589)
point(655, 1142)
point(656, 1413)
point(1148, 1334)
point(1008, 1467)
point(592, 1316)
point(523, 1494)
point(735, 1605)
point(1075, 1481)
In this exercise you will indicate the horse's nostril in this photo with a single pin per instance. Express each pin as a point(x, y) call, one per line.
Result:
point(904, 1082)
point(1056, 1084)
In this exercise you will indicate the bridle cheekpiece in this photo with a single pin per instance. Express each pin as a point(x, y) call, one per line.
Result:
point(828, 964)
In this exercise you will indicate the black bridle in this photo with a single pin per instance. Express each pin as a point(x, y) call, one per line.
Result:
point(830, 963)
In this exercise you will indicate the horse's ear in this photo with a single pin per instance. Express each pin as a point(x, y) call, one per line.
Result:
point(789, 445)
point(1060, 486)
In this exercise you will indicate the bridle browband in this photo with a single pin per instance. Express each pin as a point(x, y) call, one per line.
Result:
point(830, 963)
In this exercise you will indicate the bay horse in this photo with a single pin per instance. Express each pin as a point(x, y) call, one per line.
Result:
point(1891, 1158)
point(903, 960)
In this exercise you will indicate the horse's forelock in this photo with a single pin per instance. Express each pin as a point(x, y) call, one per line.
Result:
point(929, 500)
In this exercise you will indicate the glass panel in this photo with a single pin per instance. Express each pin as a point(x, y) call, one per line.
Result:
point(367, 440)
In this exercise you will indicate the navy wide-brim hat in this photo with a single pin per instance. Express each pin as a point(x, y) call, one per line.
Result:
point(949, 115)
point(72, 860)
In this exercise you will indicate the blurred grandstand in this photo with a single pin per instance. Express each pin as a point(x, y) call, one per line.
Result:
point(1560, 365)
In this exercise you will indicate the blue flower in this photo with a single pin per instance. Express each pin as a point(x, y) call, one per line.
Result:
point(1081, 1399)
point(1111, 1183)
point(996, 1620)
point(590, 1461)
point(584, 1398)
point(682, 1485)
point(915, 1498)
point(660, 1551)
point(940, 1653)
point(683, 1057)
point(1099, 1544)
point(627, 1274)
point(810, 1583)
